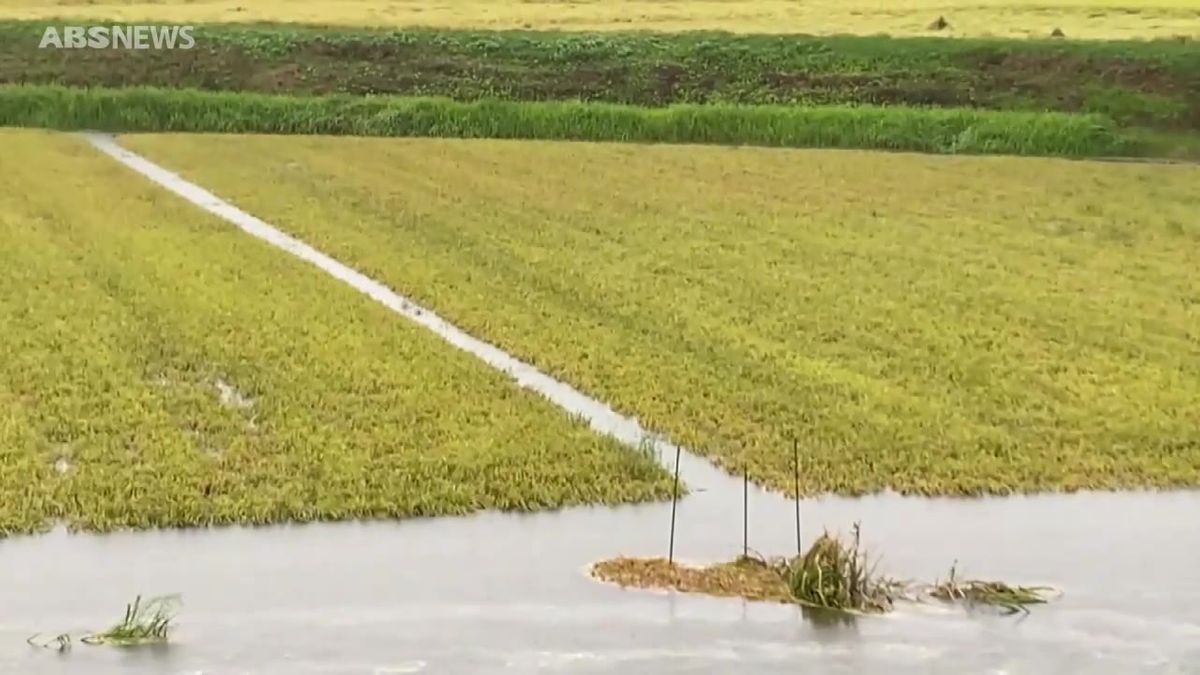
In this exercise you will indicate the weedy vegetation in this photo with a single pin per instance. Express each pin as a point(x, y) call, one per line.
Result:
point(964, 326)
point(164, 369)
point(1091, 19)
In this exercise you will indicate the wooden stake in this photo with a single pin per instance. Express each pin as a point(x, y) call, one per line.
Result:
point(796, 457)
point(674, 502)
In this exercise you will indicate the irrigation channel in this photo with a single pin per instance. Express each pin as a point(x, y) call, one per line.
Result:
point(498, 592)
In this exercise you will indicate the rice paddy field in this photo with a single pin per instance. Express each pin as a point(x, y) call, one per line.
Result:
point(930, 325)
point(626, 261)
point(162, 369)
point(1093, 19)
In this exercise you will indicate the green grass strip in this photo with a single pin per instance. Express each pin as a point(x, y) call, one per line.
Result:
point(935, 130)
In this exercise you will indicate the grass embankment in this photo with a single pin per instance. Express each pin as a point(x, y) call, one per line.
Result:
point(937, 325)
point(938, 130)
point(161, 368)
point(1017, 18)
point(1152, 84)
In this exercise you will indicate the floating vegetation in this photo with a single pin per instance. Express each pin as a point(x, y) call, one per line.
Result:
point(973, 592)
point(832, 575)
point(147, 622)
point(143, 623)
point(744, 577)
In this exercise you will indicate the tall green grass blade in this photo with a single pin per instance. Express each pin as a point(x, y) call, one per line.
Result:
point(933, 130)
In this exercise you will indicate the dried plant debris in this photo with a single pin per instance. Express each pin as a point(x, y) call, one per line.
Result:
point(974, 592)
point(60, 643)
point(745, 577)
point(832, 574)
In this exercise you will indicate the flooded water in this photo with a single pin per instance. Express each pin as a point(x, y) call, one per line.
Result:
point(509, 593)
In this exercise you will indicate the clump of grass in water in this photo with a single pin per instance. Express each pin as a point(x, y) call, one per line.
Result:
point(832, 575)
point(143, 623)
point(836, 575)
point(1009, 599)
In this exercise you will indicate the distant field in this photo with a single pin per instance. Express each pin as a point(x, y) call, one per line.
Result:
point(1153, 84)
point(162, 368)
point(1014, 18)
point(934, 325)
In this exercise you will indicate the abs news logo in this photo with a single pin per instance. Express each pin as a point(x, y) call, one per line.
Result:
point(117, 37)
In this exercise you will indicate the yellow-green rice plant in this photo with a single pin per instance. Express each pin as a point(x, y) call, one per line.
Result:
point(1091, 19)
point(164, 369)
point(933, 325)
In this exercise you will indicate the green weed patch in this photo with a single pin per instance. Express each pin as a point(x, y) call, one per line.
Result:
point(926, 130)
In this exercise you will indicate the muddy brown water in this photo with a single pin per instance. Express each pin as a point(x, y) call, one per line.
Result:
point(510, 593)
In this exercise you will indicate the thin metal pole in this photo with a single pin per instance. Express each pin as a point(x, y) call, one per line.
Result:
point(796, 457)
point(745, 513)
point(674, 501)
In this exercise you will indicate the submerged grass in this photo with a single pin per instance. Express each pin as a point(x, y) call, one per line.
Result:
point(1018, 18)
point(148, 622)
point(937, 130)
point(143, 623)
point(164, 369)
point(934, 325)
